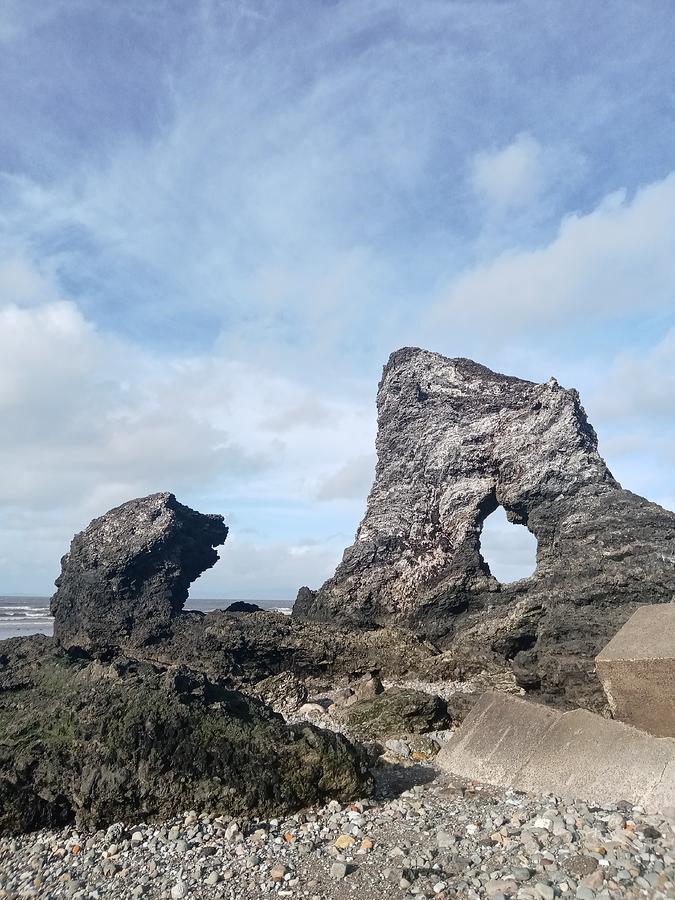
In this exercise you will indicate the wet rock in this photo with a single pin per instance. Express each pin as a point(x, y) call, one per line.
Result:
point(94, 742)
point(455, 441)
point(395, 712)
point(241, 606)
point(127, 574)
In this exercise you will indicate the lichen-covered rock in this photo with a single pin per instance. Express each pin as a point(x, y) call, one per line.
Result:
point(128, 573)
point(97, 742)
point(454, 441)
point(247, 648)
point(395, 712)
point(284, 692)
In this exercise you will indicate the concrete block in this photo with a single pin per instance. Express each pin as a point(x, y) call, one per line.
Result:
point(510, 742)
point(637, 670)
point(500, 733)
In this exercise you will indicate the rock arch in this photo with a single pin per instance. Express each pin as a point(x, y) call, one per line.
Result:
point(454, 441)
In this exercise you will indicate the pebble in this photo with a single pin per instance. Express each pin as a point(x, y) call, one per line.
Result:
point(339, 870)
point(422, 834)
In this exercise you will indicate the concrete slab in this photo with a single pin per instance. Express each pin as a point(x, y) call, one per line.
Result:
point(513, 743)
point(600, 760)
point(498, 735)
point(637, 670)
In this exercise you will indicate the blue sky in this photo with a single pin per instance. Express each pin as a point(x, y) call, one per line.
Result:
point(217, 219)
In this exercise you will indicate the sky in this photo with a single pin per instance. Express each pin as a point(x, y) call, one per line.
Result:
point(218, 219)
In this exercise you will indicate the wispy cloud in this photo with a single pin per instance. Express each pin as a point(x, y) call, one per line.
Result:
point(218, 219)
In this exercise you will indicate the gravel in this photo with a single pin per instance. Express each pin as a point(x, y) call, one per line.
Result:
point(423, 836)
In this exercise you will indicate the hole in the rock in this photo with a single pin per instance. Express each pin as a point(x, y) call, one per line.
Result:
point(509, 550)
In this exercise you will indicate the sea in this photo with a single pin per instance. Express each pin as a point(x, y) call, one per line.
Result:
point(21, 615)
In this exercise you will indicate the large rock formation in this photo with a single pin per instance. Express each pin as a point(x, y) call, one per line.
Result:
point(91, 742)
point(456, 440)
point(127, 574)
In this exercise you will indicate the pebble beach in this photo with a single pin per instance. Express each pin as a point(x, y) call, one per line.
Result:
point(422, 835)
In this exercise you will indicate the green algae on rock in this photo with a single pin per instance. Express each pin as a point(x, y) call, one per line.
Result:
point(97, 742)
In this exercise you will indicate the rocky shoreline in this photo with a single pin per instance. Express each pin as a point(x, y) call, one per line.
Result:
point(421, 835)
point(148, 751)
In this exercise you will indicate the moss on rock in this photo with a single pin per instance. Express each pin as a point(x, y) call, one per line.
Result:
point(92, 743)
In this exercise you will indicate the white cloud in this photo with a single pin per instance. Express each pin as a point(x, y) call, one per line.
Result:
point(351, 480)
point(90, 420)
point(510, 178)
point(617, 260)
point(640, 384)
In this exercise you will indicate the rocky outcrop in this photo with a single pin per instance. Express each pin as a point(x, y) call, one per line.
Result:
point(95, 742)
point(456, 440)
point(124, 583)
point(127, 574)
point(395, 712)
point(243, 649)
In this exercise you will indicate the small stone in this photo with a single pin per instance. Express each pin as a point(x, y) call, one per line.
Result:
point(398, 748)
point(439, 887)
point(278, 871)
point(213, 878)
point(544, 891)
point(179, 890)
point(344, 841)
point(444, 840)
point(585, 893)
point(339, 870)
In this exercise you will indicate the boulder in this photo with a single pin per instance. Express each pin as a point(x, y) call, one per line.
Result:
point(284, 692)
point(93, 742)
point(456, 440)
point(127, 574)
point(396, 712)
point(241, 606)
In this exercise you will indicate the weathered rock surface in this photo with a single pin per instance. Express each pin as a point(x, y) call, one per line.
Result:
point(456, 440)
point(128, 573)
point(95, 742)
point(395, 712)
point(285, 692)
point(247, 648)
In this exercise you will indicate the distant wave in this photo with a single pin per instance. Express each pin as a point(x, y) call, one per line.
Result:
point(20, 616)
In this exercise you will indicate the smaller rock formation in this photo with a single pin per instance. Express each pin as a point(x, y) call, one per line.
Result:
point(96, 742)
point(241, 606)
point(128, 573)
point(395, 712)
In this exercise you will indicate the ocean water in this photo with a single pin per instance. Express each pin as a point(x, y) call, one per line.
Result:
point(20, 616)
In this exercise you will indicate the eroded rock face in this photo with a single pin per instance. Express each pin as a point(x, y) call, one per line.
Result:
point(92, 742)
point(455, 440)
point(127, 574)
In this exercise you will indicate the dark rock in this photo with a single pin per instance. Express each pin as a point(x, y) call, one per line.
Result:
point(128, 573)
point(395, 712)
point(456, 440)
point(241, 606)
point(93, 742)
point(246, 649)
